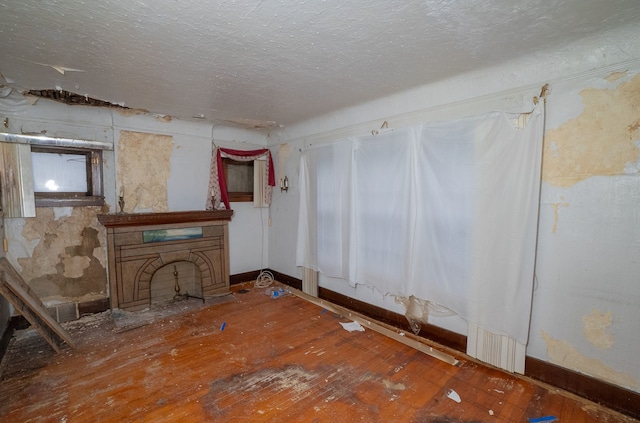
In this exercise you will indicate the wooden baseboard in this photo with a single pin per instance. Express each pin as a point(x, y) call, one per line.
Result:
point(441, 336)
point(611, 396)
point(287, 280)
point(252, 276)
point(239, 278)
point(603, 393)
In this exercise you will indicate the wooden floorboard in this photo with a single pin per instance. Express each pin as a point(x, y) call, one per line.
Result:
point(277, 360)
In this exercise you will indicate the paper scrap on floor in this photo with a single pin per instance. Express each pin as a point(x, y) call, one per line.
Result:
point(352, 326)
point(454, 395)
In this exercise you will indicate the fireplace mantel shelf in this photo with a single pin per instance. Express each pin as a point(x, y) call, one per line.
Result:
point(142, 219)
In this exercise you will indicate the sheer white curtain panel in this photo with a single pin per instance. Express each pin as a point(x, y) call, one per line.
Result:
point(446, 212)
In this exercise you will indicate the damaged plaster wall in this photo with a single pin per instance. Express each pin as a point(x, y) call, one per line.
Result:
point(586, 305)
point(68, 260)
point(143, 171)
point(589, 230)
point(595, 327)
point(602, 140)
point(566, 355)
point(61, 253)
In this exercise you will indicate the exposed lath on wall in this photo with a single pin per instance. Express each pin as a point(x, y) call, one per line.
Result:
point(70, 98)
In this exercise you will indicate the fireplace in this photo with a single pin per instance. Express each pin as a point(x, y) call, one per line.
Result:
point(140, 244)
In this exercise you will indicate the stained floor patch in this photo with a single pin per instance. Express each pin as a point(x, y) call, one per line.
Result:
point(272, 390)
point(294, 381)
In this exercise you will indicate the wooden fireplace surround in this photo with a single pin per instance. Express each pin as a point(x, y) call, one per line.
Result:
point(132, 261)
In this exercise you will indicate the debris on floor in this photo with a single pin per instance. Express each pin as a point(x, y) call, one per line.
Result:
point(451, 394)
point(352, 326)
point(543, 419)
point(274, 292)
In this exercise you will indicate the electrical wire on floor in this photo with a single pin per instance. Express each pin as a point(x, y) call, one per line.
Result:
point(265, 278)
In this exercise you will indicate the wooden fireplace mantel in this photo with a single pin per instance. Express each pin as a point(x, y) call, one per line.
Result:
point(142, 219)
point(138, 244)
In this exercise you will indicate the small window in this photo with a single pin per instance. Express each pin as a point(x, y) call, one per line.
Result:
point(239, 178)
point(67, 177)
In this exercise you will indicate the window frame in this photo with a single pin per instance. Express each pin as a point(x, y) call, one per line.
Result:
point(238, 196)
point(95, 187)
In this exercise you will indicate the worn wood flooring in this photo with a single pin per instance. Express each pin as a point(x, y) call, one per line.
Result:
point(254, 358)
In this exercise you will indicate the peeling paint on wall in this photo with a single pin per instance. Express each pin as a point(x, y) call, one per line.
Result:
point(143, 170)
point(59, 212)
point(284, 151)
point(566, 355)
point(74, 266)
point(164, 118)
point(595, 328)
point(132, 112)
point(556, 213)
point(601, 141)
point(615, 76)
point(69, 260)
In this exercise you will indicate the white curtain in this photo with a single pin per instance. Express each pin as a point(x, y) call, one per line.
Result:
point(446, 212)
point(325, 221)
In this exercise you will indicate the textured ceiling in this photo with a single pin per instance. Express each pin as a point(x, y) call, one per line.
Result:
point(282, 61)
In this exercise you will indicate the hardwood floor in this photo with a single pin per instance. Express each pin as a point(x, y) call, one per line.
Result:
point(253, 358)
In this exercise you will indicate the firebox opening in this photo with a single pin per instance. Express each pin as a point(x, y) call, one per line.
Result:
point(175, 279)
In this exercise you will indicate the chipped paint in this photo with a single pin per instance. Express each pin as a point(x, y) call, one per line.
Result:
point(131, 112)
point(556, 214)
point(566, 355)
point(74, 266)
point(59, 212)
point(595, 327)
point(284, 151)
point(143, 170)
point(164, 118)
point(601, 141)
point(68, 260)
point(614, 76)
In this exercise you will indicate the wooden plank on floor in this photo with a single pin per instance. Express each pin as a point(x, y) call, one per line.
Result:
point(403, 338)
point(26, 302)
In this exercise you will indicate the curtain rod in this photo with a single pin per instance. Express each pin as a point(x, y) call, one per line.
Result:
point(54, 142)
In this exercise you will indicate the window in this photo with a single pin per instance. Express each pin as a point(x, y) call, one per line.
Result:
point(67, 176)
point(239, 178)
